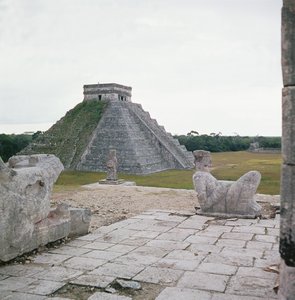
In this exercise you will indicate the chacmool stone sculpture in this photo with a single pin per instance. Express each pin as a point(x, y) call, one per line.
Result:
point(26, 219)
point(224, 198)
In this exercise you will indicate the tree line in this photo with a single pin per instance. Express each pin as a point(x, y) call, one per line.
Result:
point(218, 143)
point(11, 144)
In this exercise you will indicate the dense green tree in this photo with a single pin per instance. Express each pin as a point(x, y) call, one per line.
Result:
point(11, 144)
point(218, 143)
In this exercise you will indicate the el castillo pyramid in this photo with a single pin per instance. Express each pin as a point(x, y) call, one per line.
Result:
point(107, 119)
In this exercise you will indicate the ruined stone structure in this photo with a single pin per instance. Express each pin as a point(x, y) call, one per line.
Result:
point(107, 91)
point(225, 198)
point(287, 235)
point(26, 219)
point(82, 141)
point(142, 145)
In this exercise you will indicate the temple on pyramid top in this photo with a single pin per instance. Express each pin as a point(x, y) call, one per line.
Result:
point(107, 91)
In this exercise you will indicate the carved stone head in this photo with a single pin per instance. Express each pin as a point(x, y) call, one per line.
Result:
point(202, 160)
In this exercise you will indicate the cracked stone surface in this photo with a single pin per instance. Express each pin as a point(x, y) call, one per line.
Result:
point(191, 257)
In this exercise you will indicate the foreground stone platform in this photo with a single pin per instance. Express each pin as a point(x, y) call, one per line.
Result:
point(185, 256)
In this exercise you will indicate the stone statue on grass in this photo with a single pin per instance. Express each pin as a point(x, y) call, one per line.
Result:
point(112, 166)
point(224, 198)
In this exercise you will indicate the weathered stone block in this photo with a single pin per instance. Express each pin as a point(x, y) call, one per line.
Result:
point(26, 220)
point(175, 293)
point(25, 188)
point(177, 264)
point(42, 287)
point(58, 274)
point(83, 263)
point(106, 296)
point(287, 236)
point(221, 269)
point(203, 281)
point(287, 282)
point(14, 283)
point(288, 43)
point(288, 119)
point(159, 275)
point(254, 286)
point(99, 281)
point(80, 221)
point(118, 270)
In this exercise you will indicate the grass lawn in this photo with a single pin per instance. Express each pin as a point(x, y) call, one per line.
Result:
point(226, 166)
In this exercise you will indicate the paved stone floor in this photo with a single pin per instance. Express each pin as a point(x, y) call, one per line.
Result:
point(189, 257)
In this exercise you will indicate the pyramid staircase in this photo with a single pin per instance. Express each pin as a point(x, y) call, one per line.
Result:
point(142, 145)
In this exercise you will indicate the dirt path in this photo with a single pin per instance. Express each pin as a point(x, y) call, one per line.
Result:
point(112, 203)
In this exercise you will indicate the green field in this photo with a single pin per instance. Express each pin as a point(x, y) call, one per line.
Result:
point(226, 166)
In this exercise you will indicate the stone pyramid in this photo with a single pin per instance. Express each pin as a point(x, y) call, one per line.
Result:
point(142, 145)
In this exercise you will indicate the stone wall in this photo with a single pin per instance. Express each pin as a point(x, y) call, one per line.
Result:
point(287, 235)
point(142, 145)
point(107, 91)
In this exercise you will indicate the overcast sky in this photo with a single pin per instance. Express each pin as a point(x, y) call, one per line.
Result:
point(203, 65)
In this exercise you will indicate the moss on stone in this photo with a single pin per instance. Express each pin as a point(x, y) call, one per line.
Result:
point(69, 136)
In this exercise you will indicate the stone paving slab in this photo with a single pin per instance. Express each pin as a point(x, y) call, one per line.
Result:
point(253, 286)
point(83, 263)
point(238, 236)
point(235, 297)
point(185, 255)
point(168, 245)
point(51, 258)
point(57, 298)
point(237, 260)
point(166, 276)
point(256, 272)
point(146, 250)
point(173, 236)
point(177, 264)
point(175, 293)
point(59, 274)
point(99, 281)
point(230, 243)
point(118, 270)
point(198, 239)
point(233, 252)
point(215, 268)
point(204, 249)
point(190, 256)
point(68, 250)
point(21, 270)
point(22, 296)
point(15, 283)
point(105, 255)
point(42, 287)
point(203, 281)
point(106, 296)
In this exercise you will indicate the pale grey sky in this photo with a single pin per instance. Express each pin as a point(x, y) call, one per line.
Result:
point(204, 65)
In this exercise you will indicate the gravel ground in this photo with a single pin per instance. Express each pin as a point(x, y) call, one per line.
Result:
point(112, 203)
